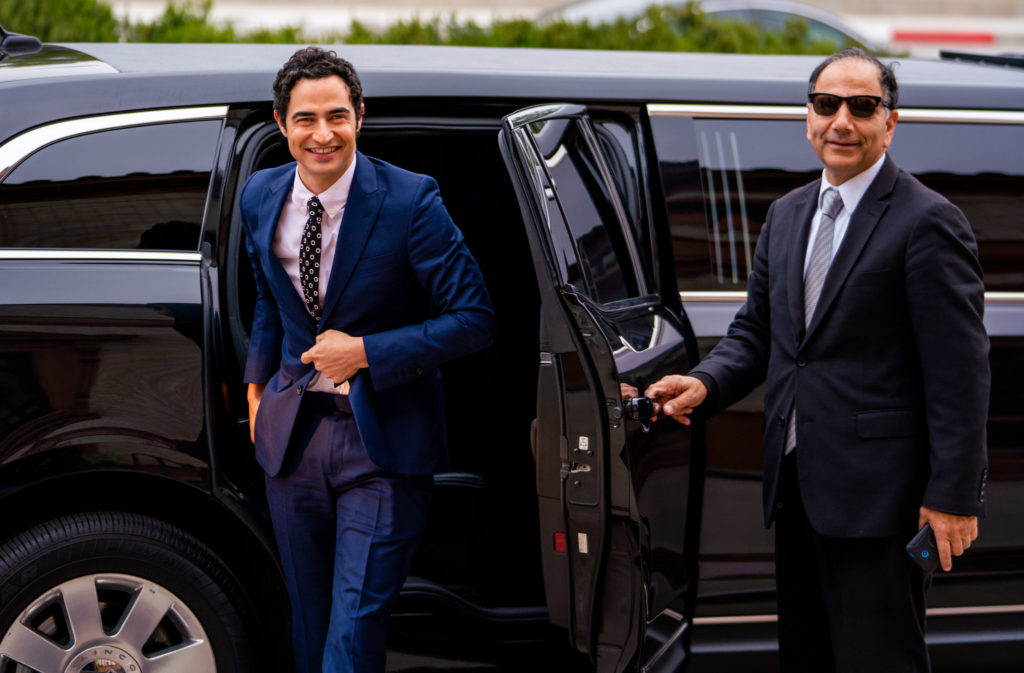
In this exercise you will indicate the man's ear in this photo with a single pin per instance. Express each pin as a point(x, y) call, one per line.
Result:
point(280, 124)
point(362, 113)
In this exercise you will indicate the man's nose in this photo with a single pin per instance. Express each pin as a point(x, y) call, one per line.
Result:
point(322, 132)
point(843, 119)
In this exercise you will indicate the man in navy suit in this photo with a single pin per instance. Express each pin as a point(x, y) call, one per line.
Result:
point(864, 318)
point(364, 289)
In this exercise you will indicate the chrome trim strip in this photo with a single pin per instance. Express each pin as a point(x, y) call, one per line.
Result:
point(962, 116)
point(740, 297)
point(979, 610)
point(697, 297)
point(1004, 297)
point(931, 612)
point(16, 150)
point(101, 255)
point(800, 112)
point(729, 111)
point(743, 619)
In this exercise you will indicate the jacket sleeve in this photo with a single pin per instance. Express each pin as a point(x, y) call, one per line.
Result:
point(739, 362)
point(462, 319)
point(266, 334)
point(946, 298)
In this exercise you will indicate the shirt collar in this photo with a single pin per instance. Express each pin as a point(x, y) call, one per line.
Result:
point(333, 199)
point(852, 191)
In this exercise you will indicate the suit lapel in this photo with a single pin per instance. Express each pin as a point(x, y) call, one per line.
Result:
point(803, 213)
point(361, 209)
point(271, 204)
point(862, 223)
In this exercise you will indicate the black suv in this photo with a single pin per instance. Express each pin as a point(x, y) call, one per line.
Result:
point(613, 201)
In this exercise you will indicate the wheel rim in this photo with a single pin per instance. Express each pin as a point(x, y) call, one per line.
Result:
point(111, 623)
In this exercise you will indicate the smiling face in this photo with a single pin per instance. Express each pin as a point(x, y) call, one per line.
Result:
point(848, 145)
point(321, 127)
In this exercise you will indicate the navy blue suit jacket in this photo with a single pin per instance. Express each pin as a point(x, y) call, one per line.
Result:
point(891, 378)
point(402, 279)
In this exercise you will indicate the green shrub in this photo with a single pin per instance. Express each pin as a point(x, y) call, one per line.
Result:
point(659, 28)
point(185, 22)
point(61, 20)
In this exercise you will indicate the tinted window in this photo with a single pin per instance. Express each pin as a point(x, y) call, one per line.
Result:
point(619, 145)
point(746, 164)
point(594, 255)
point(679, 165)
point(140, 187)
point(980, 168)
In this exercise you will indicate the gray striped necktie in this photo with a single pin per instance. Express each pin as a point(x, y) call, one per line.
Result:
point(821, 256)
point(817, 269)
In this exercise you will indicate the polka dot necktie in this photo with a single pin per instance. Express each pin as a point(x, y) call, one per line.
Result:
point(309, 257)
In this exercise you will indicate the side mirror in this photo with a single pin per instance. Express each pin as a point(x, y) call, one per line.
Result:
point(14, 44)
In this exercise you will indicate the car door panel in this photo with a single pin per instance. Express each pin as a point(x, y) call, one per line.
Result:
point(622, 498)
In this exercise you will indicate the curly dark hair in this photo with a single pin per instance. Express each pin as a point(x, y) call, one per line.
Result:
point(887, 74)
point(315, 63)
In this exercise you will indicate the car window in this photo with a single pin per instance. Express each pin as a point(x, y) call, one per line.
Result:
point(619, 146)
point(585, 228)
point(775, 21)
point(142, 187)
point(745, 164)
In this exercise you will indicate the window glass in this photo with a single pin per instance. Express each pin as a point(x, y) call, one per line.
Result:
point(817, 31)
point(598, 262)
point(744, 165)
point(140, 187)
point(619, 147)
point(980, 168)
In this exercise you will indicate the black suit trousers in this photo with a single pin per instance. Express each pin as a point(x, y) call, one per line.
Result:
point(846, 605)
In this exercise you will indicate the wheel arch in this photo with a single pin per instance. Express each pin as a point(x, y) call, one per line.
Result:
point(233, 529)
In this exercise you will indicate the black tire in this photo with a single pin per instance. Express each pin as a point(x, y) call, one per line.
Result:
point(158, 592)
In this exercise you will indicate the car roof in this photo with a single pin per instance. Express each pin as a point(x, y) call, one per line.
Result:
point(120, 77)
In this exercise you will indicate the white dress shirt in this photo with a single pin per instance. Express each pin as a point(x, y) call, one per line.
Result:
point(851, 192)
point(288, 238)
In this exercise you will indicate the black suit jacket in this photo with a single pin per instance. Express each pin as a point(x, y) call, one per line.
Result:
point(890, 379)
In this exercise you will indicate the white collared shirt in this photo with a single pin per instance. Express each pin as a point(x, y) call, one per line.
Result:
point(851, 191)
point(288, 238)
point(292, 223)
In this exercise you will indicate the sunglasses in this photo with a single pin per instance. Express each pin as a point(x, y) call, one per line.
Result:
point(827, 104)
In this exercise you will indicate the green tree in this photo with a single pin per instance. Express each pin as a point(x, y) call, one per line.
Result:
point(185, 22)
point(61, 20)
point(658, 28)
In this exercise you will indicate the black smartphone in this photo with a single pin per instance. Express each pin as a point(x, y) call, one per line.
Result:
point(923, 550)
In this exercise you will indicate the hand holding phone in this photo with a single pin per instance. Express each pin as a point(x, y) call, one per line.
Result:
point(923, 550)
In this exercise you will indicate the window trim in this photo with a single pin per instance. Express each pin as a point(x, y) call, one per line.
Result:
point(957, 116)
point(74, 255)
point(24, 145)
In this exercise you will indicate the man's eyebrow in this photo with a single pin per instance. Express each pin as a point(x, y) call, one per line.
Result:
point(304, 113)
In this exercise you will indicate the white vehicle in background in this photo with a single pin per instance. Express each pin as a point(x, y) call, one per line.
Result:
point(767, 15)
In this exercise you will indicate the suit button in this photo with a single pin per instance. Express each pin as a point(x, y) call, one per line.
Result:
point(801, 362)
point(419, 371)
point(782, 421)
point(298, 390)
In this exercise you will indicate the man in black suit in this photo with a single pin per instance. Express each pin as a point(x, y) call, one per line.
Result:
point(864, 318)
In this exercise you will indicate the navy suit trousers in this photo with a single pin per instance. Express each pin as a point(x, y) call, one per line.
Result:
point(347, 532)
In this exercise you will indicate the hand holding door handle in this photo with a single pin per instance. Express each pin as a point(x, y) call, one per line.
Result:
point(677, 396)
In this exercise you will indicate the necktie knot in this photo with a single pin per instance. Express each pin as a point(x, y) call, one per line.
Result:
point(314, 207)
point(831, 202)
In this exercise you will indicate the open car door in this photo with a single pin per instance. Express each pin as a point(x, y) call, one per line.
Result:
point(619, 497)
